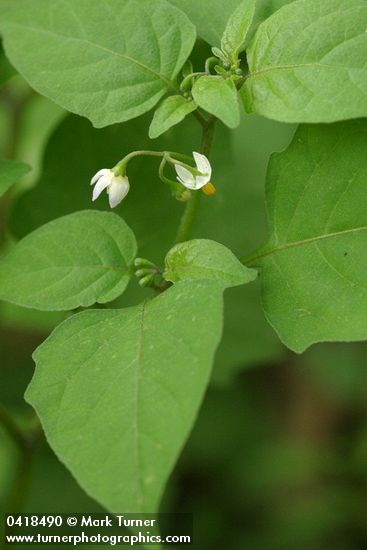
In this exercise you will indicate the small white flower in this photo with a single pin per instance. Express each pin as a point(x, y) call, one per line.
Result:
point(192, 181)
point(117, 186)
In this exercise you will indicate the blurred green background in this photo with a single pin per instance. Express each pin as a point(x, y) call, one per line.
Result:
point(278, 456)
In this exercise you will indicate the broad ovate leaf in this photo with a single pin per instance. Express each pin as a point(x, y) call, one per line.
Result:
point(10, 172)
point(109, 61)
point(219, 97)
point(117, 391)
point(307, 63)
point(205, 259)
point(170, 112)
point(314, 275)
point(237, 28)
point(76, 260)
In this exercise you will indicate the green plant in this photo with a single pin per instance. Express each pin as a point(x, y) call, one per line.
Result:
point(118, 390)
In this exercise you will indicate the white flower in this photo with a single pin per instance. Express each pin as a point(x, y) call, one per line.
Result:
point(191, 181)
point(117, 186)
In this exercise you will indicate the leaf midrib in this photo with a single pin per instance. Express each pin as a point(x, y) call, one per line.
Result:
point(209, 270)
point(166, 81)
point(291, 66)
point(252, 259)
point(139, 347)
point(80, 267)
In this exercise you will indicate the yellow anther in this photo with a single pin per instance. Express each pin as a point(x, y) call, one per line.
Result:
point(209, 189)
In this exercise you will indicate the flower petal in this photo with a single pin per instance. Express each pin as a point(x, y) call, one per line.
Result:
point(185, 176)
point(118, 190)
point(99, 174)
point(191, 185)
point(201, 181)
point(101, 184)
point(203, 164)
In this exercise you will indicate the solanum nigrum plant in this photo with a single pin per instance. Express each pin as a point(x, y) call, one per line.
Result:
point(117, 387)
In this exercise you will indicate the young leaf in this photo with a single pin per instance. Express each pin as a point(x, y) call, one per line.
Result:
point(73, 261)
point(205, 259)
point(307, 63)
point(169, 113)
point(10, 172)
point(219, 97)
point(109, 61)
point(220, 55)
point(237, 28)
point(117, 391)
point(313, 268)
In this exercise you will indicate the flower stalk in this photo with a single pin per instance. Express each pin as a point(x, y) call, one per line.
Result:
point(117, 185)
point(190, 213)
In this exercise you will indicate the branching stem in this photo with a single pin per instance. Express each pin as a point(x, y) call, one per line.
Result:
point(26, 443)
point(192, 206)
point(11, 428)
point(167, 156)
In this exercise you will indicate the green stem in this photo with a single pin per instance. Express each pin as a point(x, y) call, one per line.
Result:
point(143, 153)
point(166, 156)
point(192, 207)
point(161, 172)
point(173, 185)
point(20, 485)
point(209, 63)
point(200, 117)
point(26, 443)
point(11, 428)
point(186, 84)
point(120, 167)
point(15, 107)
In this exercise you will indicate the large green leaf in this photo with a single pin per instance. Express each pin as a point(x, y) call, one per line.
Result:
point(109, 61)
point(117, 391)
point(307, 63)
point(314, 266)
point(204, 259)
point(10, 172)
point(73, 261)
